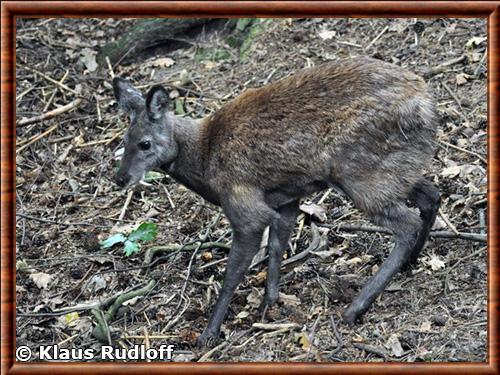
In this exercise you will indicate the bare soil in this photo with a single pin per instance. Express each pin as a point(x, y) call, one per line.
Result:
point(67, 202)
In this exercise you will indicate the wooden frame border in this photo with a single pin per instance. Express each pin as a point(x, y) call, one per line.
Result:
point(12, 9)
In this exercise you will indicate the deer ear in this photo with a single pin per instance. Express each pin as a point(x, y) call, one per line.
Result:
point(129, 98)
point(157, 102)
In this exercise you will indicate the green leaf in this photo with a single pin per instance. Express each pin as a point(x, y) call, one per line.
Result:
point(131, 248)
point(145, 232)
point(152, 176)
point(114, 239)
point(179, 107)
point(71, 318)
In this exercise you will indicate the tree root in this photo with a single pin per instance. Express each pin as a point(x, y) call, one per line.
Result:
point(101, 330)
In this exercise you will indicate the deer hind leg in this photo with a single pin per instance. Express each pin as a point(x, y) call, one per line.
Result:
point(405, 225)
point(427, 198)
point(280, 230)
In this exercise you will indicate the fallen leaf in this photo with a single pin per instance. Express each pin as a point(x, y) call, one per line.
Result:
point(435, 263)
point(461, 78)
point(452, 171)
point(163, 62)
point(302, 339)
point(23, 266)
point(395, 346)
point(41, 279)
point(439, 224)
point(206, 256)
point(425, 326)
point(475, 41)
point(88, 58)
point(254, 298)
point(289, 299)
point(97, 282)
point(399, 26)
point(131, 301)
point(476, 56)
point(327, 34)
point(243, 314)
point(315, 210)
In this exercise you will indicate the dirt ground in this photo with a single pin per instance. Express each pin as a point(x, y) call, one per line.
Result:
point(67, 202)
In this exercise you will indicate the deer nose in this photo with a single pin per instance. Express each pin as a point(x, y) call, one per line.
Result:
point(122, 179)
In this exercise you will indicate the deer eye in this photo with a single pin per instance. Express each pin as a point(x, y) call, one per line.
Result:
point(145, 145)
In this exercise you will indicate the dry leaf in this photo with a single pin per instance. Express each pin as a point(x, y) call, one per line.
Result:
point(395, 346)
point(289, 299)
point(254, 298)
point(425, 326)
point(452, 171)
point(206, 256)
point(163, 62)
point(243, 314)
point(315, 210)
point(435, 263)
point(327, 34)
point(461, 78)
point(475, 41)
point(476, 56)
point(88, 58)
point(302, 339)
point(399, 26)
point(439, 224)
point(41, 279)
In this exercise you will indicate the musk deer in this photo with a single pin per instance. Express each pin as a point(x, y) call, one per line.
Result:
point(361, 125)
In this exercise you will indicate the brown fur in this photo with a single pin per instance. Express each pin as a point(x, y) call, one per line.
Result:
point(339, 122)
point(361, 125)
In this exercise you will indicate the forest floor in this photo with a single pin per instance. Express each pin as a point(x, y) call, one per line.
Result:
point(67, 202)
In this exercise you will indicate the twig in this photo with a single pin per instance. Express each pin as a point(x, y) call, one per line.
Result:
point(314, 245)
point(151, 337)
point(98, 108)
point(125, 206)
point(93, 143)
point(377, 37)
point(205, 236)
point(464, 150)
point(50, 79)
point(49, 102)
point(456, 99)
point(338, 337)
point(37, 137)
point(371, 349)
point(114, 137)
point(110, 68)
point(152, 251)
point(442, 67)
point(70, 338)
point(448, 222)
point(206, 357)
point(437, 234)
point(169, 197)
point(47, 115)
point(276, 326)
point(447, 277)
point(24, 216)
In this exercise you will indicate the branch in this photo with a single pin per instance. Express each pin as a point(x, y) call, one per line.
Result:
point(45, 116)
point(438, 234)
point(101, 330)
